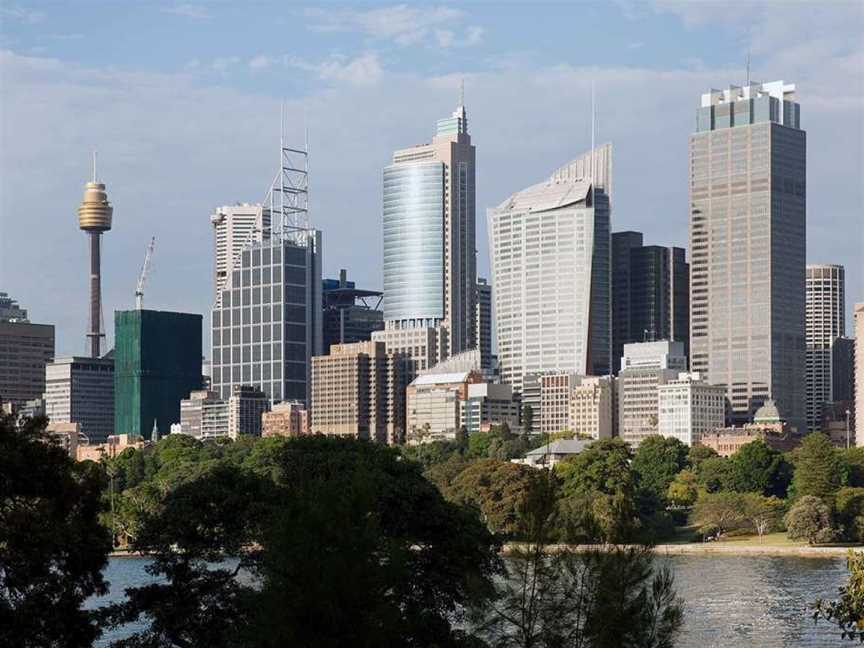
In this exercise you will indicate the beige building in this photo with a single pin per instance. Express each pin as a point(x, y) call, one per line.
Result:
point(419, 349)
point(192, 411)
point(358, 390)
point(688, 407)
point(489, 404)
point(591, 407)
point(434, 403)
point(859, 374)
point(289, 419)
point(68, 436)
point(555, 392)
point(766, 426)
point(115, 445)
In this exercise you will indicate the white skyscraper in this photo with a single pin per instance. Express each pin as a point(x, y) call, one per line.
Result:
point(826, 307)
point(235, 226)
point(688, 407)
point(550, 257)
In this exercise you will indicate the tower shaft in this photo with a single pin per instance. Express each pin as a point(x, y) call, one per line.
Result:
point(95, 331)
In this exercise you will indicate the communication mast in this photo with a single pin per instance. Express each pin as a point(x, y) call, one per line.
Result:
point(142, 278)
point(288, 196)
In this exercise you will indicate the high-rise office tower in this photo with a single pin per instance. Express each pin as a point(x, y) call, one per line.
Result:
point(650, 294)
point(550, 257)
point(859, 375)
point(747, 247)
point(157, 363)
point(235, 226)
point(81, 390)
point(826, 287)
point(430, 263)
point(266, 319)
point(483, 323)
point(351, 314)
point(25, 349)
point(94, 217)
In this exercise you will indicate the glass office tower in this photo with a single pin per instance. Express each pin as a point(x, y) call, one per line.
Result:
point(747, 247)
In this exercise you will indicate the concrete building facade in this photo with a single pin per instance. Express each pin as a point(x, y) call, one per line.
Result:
point(192, 412)
point(826, 321)
point(234, 227)
point(747, 247)
point(433, 403)
point(25, 350)
point(245, 407)
point(350, 313)
point(483, 323)
point(81, 390)
point(550, 257)
point(488, 404)
point(859, 375)
point(688, 408)
point(359, 391)
point(592, 407)
point(555, 398)
point(288, 419)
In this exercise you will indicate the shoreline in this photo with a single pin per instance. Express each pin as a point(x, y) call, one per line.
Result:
point(722, 549)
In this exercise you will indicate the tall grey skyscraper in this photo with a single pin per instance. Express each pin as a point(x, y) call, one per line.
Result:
point(650, 294)
point(826, 287)
point(747, 247)
point(430, 264)
point(550, 257)
point(483, 322)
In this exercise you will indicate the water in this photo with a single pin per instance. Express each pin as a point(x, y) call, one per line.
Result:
point(729, 600)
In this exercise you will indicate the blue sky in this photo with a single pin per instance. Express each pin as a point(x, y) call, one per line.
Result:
point(182, 100)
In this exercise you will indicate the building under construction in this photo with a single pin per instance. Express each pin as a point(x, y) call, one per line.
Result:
point(157, 363)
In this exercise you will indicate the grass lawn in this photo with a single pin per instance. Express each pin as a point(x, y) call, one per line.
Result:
point(685, 535)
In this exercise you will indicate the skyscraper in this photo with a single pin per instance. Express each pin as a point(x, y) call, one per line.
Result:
point(81, 390)
point(235, 226)
point(859, 375)
point(650, 294)
point(351, 314)
point(826, 287)
point(25, 349)
point(483, 323)
point(157, 363)
point(430, 264)
point(747, 247)
point(550, 257)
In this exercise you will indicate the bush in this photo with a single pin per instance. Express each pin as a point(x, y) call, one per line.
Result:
point(809, 519)
point(849, 508)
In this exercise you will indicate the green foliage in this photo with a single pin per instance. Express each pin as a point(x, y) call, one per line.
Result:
point(714, 474)
point(849, 510)
point(496, 488)
point(656, 462)
point(684, 489)
point(847, 612)
point(527, 419)
point(809, 519)
point(719, 512)
point(432, 454)
point(853, 459)
point(758, 468)
point(763, 513)
point(52, 546)
point(697, 454)
point(819, 470)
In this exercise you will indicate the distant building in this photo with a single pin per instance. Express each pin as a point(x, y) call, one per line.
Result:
point(488, 404)
point(192, 412)
point(68, 436)
point(245, 407)
point(25, 349)
point(418, 349)
point(113, 446)
point(592, 411)
point(747, 207)
point(358, 391)
point(531, 394)
point(157, 363)
point(859, 375)
point(81, 390)
point(214, 419)
point(288, 419)
point(644, 367)
point(551, 454)
point(650, 294)
point(555, 392)
point(688, 407)
point(766, 426)
point(350, 314)
point(838, 422)
point(234, 227)
point(483, 322)
point(433, 403)
point(550, 258)
point(826, 321)
point(266, 324)
point(843, 369)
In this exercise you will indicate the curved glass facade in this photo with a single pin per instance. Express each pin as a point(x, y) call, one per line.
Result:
point(414, 241)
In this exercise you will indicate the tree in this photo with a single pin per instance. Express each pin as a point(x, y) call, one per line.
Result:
point(818, 468)
point(809, 519)
point(758, 468)
point(849, 507)
point(52, 547)
point(496, 488)
point(764, 513)
point(557, 598)
point(657, 460)
point(714, 474)
point(697, 454)
point(684, 489)
point(527, 419)
point(721, 512)
point(853, 459)
point(848, 610)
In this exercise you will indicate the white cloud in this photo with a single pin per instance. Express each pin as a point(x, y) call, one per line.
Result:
point(22, 15)
point(402, 24)
point(260, 62)
point(363, 70)
point(223, 63)
point(187, 10)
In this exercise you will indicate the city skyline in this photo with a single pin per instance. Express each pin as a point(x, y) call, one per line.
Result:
point(362, 106)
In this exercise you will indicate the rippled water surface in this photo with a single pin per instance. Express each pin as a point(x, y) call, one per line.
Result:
point(758, 601)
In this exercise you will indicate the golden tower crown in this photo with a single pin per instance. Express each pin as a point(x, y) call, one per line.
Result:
point(94, 214)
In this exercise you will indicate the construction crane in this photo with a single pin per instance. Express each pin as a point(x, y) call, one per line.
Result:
point(139, 291)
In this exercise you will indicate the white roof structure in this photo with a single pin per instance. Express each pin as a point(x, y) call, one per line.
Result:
point(441, 378)
point(552, 194)
point(561, 447)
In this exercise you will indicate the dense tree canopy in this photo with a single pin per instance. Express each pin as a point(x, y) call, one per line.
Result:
point(758, 468)
point(52, 546)
point(656, 462)
point(819, 470)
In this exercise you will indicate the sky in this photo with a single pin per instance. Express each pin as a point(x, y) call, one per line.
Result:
point(182, 101)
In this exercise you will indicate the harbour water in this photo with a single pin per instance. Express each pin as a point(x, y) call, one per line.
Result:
point(759, 601)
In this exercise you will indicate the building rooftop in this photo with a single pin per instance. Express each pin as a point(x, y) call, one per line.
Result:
point(442, 378)
point(561, 447)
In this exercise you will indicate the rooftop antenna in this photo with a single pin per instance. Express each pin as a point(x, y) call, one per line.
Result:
point(95, 153)
point(462, 92)
point(749, 45)
point(593, 152)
